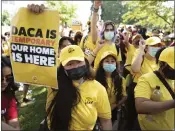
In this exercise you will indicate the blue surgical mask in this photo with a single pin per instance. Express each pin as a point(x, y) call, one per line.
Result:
point(109, 35)
point(153, 50)
point(109, 67)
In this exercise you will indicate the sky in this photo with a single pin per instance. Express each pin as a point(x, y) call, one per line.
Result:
point(83, 8)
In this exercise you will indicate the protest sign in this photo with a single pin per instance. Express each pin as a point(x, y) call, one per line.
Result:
point(33, 48)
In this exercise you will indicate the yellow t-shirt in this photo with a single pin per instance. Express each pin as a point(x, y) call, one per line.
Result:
point(160, 121)
point(129, 56)
point(6, 49)
point(111, 92)
point(146, 67)
point(81, 44)
point(94, 103)
point(103, 50)
point(89, 46)
point(51, 92)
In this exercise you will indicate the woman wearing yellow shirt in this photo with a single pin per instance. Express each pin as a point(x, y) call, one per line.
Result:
point(109, 77)
point(80, 99)
point(51, 92)
point(143, 62)
point(131, 48)
point(144, 59)
point(154, 104)
point(107, 35)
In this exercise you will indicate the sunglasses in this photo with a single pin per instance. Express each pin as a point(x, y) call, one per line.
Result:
point(8, 78)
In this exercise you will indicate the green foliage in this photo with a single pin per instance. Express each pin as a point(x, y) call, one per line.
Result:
point(113, 10)
point(31, 115)
point(66, 10)
point(5, 18)
point(150, 14)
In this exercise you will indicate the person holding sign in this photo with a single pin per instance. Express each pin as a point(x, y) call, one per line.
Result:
point(34, 45)
point(51, 92)
point(85, 100)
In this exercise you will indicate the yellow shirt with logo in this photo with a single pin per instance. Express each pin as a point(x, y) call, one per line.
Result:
point(111, 91)
point(146, 67)
point(94, 103)
point(129, 56)
point(160, 121)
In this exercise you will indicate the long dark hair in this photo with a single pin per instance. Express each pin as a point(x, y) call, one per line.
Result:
point(116, 79)
point(65, 101)
point(11, 88)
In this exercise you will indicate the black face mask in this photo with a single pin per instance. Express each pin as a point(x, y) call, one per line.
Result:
point(77, 73)
point(169, 73)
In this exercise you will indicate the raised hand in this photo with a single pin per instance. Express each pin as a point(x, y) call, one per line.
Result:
point(126, 37)
point(97, 3)
point(100, 44)
point(36, 8)
point(142, 45)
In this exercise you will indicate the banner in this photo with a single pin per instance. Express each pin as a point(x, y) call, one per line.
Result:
point(33, 48)
point(76, 25)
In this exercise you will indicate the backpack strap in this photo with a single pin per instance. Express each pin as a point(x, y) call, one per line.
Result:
point(165, 83)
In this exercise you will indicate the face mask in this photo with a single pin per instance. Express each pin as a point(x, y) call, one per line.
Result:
point(153, 50)
point(109, 67)
point(77, 73)
point(109, 35)
point(169, 73)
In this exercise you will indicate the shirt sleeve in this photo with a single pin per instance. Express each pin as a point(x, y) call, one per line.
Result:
point(135, 55)
point(50, 96)
point(119, 57)
point(103, 105)
point(143, 88)
point(12, 112)
point(124, 87)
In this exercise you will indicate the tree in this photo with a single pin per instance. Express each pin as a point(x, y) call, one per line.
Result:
point(5, 18)
point(152, 14)
point(66, 10)
point(113, 10)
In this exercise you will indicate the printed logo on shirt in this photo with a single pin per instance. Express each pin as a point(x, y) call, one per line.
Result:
point(87, 52)
point(88, 100)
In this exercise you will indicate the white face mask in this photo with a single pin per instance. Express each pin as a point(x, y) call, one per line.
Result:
point(153, 50)
point(109, 35)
